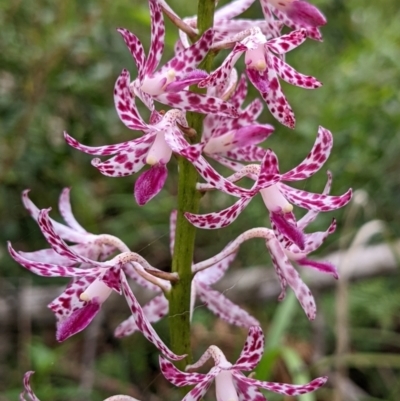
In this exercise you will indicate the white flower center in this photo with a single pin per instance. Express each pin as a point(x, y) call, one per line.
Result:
point(274, 200)
point(224, 387)
point(98, 289)
point(159, 151)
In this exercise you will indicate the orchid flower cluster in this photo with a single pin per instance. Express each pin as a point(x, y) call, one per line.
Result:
point(206, 119)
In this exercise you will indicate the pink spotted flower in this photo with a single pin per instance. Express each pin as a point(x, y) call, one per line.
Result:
point(230, 383)
point(277, 196)
point(296, 14)
point(92, 281)
point(264, 69)
point(162, 137)
point(169, 84)
point(284, 252)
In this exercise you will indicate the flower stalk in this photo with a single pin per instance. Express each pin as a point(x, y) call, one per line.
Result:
point(188, 200)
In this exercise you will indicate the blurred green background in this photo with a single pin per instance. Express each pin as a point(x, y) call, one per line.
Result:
point(58, 65)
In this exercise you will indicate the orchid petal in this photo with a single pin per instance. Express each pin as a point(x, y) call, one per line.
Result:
point(286, 43)
point(77, 321)
point(289, 230)
point(292, 76)
point(191, 78)
point(282, 388)
point(247, 154)
point(28, 388)
point(62, 230)
point(154, 310)
point(232, 10)
point(64, 206)
point(126, 162)
point(252, 351)
point(305, 13)
point(273, 95)
point(246, 392)
point(157, 37)
point(312, 32)
point(315, 159)
point(150, 183)
point(214, 273)
point(316, 202)
point(324, 267)
point(184, 62)
point(178, 378)
point(291, 277)
point(197, 102)
point(125, 103)
point(223, 307)
point(136, 48)
point(311, 215)
point(212, 221)
point(198, 392)
point(52, 270)
point(315, 240)
point(220, 75)
point(106, 150)
point(142, 323)
point(56, 242)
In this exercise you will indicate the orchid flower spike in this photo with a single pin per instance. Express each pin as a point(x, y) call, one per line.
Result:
point(230, 383)
point(263, 69)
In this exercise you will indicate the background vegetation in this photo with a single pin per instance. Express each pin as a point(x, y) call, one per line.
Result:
point(58, 65)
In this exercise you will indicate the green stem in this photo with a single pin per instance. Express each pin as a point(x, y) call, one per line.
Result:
point(188, 201)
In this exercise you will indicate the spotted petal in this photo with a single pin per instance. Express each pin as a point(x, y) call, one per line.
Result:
point(288, 275)
point(154, 310)
point(292, 76)
point(143, 324)
point(283, 388)
point(178, 378)
point(223, 307)
point(28, 388)
point(136, 48)
point(52, 270)
point(212, 221)
point(197, 102)
point(185, 61)
point(214, 273)
point(198, 392)
point(232, 10)
point(125, 103)
point(157, 37)
point(315, 159)
point(286, 43)
point(252, 351)
point(62, 230)
point(311, 215)
point(316, 202)
point(106, 150)
point(126, 162)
